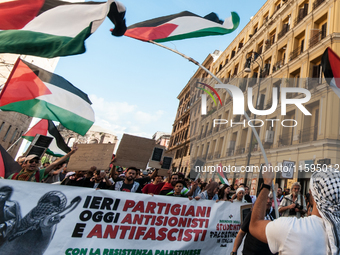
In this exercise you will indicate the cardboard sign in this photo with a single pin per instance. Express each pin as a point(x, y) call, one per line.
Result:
point(88, 155)
point(134, 151)
point(156, 156)
point(288, 169)
point(39, 145)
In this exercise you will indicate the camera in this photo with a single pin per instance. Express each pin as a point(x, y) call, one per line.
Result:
point(298, 206)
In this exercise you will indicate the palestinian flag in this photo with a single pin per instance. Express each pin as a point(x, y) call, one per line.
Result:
point(38, 93)
point(8, 165)
point(51, 28)
point(330, 63)
point(182, 26)
point(58, 147)
point(221, 175)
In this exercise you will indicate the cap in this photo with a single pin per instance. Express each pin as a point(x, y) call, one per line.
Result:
point(32, 156)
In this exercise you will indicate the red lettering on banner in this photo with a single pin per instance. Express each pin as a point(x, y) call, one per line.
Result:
point(132, 232)
point(140, 232)
point(197, 233)
point(171, 231)
point(194, 223)
point(150, 234)
point(128, 204)
point(96, 231)
point(147, 218)
point(183, 210)
point(159, 221)
point(138, 219)
point(160, 205)
point(208, 212)
point(191, 211)
point(180, 235)
point(161, 234)
point(200, 211)
point(187, 234)
point(139, 207)
point(172, 221)
point(123, 233)
point(182, 222)
point(150, 207)
point(110, 231)
point(127, 219)
point(203, 235)
point(175, 209)
point(206, 223)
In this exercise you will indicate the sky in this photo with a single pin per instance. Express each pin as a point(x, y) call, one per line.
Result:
point(133, 85)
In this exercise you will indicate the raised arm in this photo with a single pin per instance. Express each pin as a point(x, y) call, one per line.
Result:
point(61, 160)
point(257, 225)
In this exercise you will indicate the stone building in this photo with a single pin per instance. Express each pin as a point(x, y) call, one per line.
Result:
point(162, 138)
point(95, 135)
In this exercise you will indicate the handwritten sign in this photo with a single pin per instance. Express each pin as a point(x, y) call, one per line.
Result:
point(88, 155)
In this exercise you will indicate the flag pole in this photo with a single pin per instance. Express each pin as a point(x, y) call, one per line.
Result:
point(10, 147)
point(245, 114)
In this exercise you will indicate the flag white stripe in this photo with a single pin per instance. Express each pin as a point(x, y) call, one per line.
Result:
point(68, 101)
point(194, 23)
point(69, 20)
point(54, 147)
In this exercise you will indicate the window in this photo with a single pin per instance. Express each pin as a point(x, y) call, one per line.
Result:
point(7, 132)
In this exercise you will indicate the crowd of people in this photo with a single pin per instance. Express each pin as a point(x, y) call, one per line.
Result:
point(300, 217)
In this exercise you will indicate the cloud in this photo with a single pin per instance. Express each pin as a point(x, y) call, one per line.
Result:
point(122, 117)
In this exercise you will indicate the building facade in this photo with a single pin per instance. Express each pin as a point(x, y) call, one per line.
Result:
point(162, 139)
point(286, 39)
point(95, 135)
point(181, 141)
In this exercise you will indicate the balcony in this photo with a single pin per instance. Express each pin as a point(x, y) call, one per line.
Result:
point(217, 155)
point(301, 16)
point(277, 65)
point(317, 3)
point(312, 83)
point(240, 150)
point(286, 139)
point(295, 53)
point(237, 118)
point(210, 156)
point(316, 38)
point(230, 152)
point(252, 82)
point(308, 134)
point(284, 31)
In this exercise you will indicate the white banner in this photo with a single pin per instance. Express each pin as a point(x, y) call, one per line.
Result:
point(53, 219)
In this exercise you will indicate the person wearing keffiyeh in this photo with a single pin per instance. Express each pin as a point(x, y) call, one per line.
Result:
point(316, 234)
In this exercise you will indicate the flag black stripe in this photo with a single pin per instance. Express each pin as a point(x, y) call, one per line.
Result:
point(58, 138)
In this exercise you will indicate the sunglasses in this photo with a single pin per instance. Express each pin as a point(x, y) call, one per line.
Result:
point(34, 161)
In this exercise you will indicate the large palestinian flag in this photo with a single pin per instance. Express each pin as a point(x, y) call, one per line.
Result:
point(182, 26)
point(330, 64)
point(51, 28)
point(57, 147)
point(38, 93)
point(7, 164)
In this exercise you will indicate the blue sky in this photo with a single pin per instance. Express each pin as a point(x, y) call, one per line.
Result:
point(134, 85)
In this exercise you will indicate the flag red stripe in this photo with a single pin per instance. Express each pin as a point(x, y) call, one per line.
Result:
point(151, 33)
point(22, 85)
point(334, 61)
point(40, 128)
point(16, 14)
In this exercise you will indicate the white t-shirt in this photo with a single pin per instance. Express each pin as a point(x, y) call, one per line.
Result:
point(288, 235)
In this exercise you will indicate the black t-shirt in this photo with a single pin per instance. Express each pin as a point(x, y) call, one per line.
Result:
point(253, 246)
point(248, 198)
